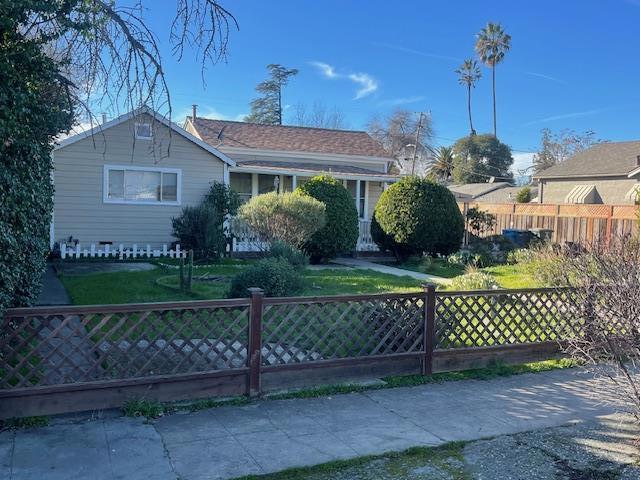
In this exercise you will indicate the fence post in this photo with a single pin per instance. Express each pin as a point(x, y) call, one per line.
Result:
point(428, 339)
point(254, 350)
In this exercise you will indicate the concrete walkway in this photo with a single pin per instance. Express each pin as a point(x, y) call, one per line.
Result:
point(399, 272)
point(53, 291)
point(268, 436)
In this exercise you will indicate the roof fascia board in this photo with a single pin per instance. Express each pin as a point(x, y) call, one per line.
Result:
point(307, 173)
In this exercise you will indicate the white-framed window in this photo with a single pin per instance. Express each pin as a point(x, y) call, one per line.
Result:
point(143, 131)
point(142, 185)
point(241, 184)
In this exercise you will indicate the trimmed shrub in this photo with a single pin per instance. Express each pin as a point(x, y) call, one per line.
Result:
point(386, 243)
point(419, 216)
point(288, 217)
point(294, 256)
point(201, 228)
point(276, 276)
point(340, 232)
point(474, 281)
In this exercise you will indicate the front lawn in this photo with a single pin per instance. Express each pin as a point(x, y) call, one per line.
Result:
point(432, 266)
point(513, 276)
point(161, 284)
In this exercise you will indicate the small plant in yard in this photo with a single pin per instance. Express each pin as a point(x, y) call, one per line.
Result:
point(202, 228)
point(297, 258)
point(416, 215)
point(276, 276)
point(474, 281)
point(340, 232)
point(143, 408)
point(25, 422)
point(479, 222)
point(291, 218)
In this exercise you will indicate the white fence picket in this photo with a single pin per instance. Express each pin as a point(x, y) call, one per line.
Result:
point(121, 253)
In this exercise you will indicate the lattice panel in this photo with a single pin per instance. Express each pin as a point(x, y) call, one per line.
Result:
point(484, 319)
point(77, 346)
point(307, 332)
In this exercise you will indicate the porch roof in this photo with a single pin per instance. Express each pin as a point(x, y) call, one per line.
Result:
point(312, 169)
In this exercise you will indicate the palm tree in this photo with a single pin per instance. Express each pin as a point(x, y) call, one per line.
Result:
point(491, 45)
point(443, 162)
point(469, 74)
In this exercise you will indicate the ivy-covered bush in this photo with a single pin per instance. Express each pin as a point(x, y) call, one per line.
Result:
point(202, 228)
point(35, 109)
point(419, 216)
point(297, 258)
point(276, 276)
point(287, 217)
point(340, 232)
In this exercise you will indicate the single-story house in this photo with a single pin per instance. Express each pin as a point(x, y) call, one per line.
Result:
point(605, 173)
point(281, 157)
point(122, 182)
point(475, 192)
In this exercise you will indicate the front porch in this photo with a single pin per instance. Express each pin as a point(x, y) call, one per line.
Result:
point(365, 187)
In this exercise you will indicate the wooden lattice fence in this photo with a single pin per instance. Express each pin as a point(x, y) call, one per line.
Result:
point(60, 359)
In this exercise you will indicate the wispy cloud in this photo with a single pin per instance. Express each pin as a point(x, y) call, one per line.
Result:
point(366, 83)
point(546, 77)
point(413, 51)
point(403, 100)
point(563, 116)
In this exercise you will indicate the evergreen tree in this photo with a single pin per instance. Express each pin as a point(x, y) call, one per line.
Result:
point(267, 108)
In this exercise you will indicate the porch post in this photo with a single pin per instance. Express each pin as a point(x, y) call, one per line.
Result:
point(254, 184)
point(365, 215)
point(358, 198)
point(294, 182)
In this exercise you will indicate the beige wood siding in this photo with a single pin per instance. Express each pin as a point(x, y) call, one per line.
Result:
point(375, 190)
point(78, 177)
point(609, 191)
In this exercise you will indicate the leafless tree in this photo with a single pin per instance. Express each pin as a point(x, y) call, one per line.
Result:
point(108, 54)
point(318, 116)
point(397, 133)
point(605, 323)
point(557, 147)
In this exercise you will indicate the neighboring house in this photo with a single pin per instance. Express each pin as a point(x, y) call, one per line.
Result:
point(281, 157)
point(605, 173)
point(123, 181)
point(476, 192)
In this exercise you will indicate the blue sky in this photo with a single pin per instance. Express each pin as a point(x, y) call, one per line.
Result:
point(573, 63)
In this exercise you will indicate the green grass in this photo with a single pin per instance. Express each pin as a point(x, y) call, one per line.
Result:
point(513, 276)
point(26, 422)
point(161, 284)
point(143, 408)
point(432, 266)
point(446, 459)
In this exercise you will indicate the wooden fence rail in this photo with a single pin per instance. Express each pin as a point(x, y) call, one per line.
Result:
point(570, 223)
point(74, 358)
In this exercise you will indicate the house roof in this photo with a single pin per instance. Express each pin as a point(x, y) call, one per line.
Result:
point(158, 117)
point(501, 195)
point(475, 190)
point(603, 159)
point(277, 167)
point(223, 133)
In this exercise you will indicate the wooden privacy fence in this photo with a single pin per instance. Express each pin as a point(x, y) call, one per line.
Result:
point(64, 359)
point(570, 223)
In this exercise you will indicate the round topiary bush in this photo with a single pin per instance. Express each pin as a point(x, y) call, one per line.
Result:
point(276, 276)
point(419, 216)
point(386, 242)
point(340, 232)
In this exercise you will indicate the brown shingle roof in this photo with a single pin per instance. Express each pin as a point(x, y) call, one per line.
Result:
point(475, 190)
point(223, 133)
point(614, 158)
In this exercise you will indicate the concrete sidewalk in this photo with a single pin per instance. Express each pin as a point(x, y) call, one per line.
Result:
point(268, 436)
point(398, 272)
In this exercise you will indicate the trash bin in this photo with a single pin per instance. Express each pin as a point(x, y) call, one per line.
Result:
point(520, 238)
point(544, 234)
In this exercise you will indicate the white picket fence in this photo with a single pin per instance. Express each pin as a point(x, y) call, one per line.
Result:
point(76, 251)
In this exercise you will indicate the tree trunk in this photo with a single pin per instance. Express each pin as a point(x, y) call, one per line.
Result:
point(493, 77)
point(280, 105)
point(473, 132)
